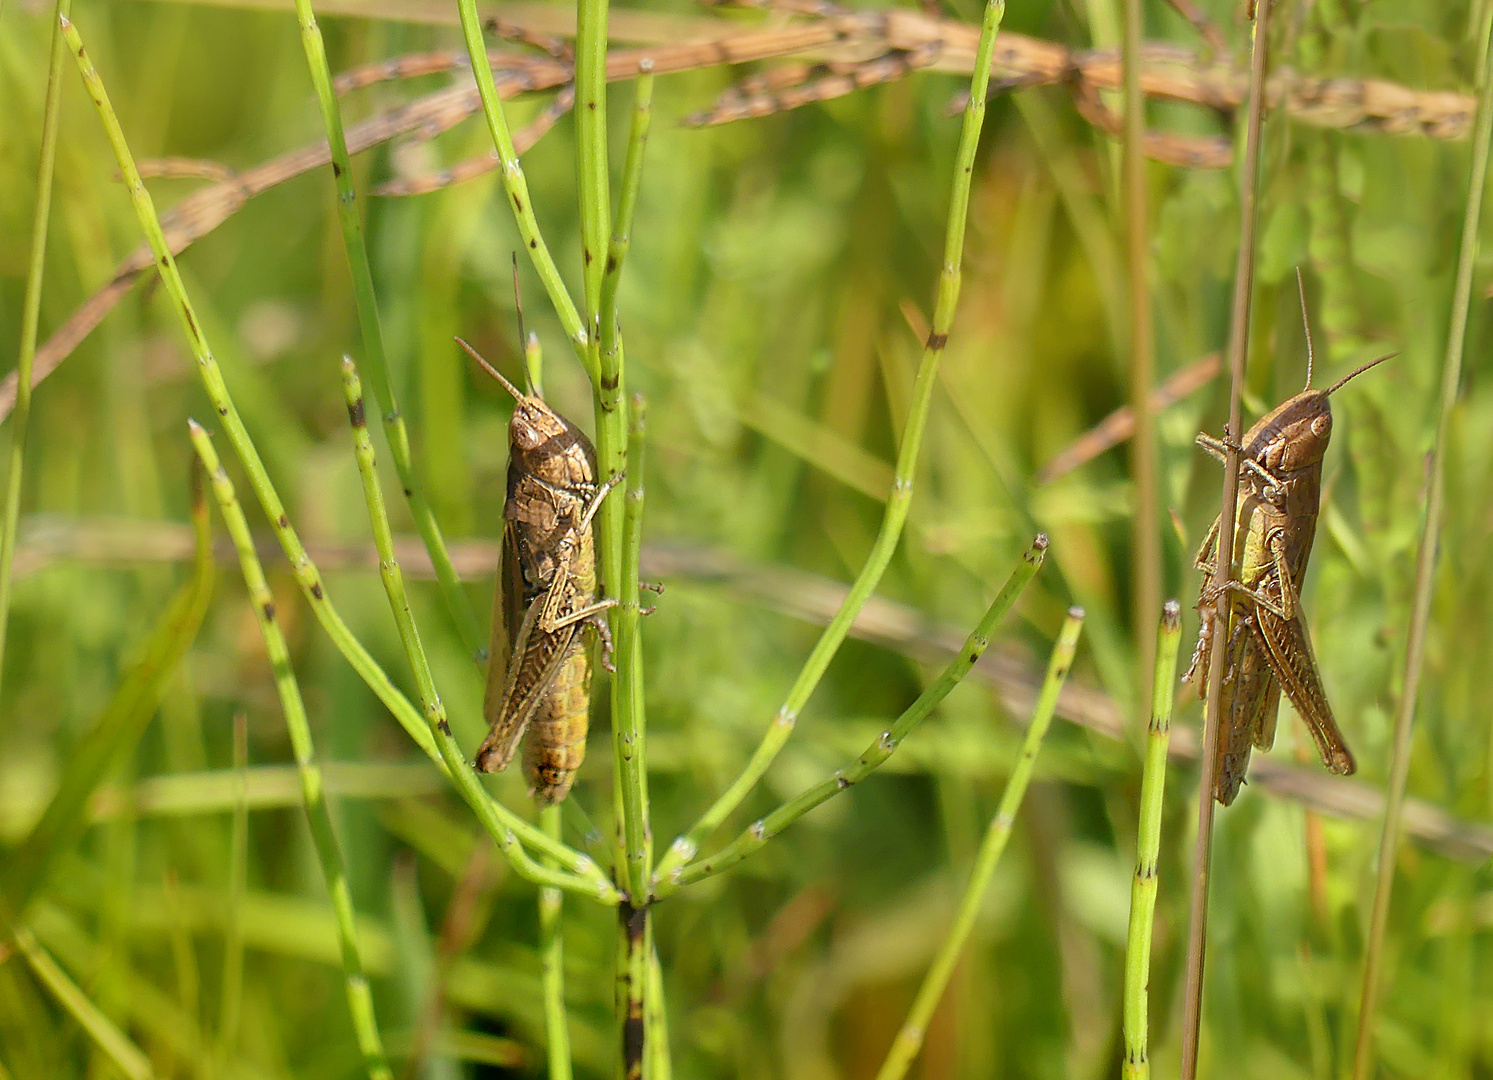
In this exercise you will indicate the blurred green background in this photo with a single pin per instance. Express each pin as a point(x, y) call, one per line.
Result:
point(762, 303)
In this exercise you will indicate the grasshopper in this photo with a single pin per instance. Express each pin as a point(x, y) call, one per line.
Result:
point(539, 666)
point(1268, 647)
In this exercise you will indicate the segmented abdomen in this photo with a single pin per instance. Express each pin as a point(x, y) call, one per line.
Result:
point(555, 743)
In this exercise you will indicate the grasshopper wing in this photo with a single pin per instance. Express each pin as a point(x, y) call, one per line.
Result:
point(1289, 648)
point(1250, 695)
point(537, 658)
point(507, 614)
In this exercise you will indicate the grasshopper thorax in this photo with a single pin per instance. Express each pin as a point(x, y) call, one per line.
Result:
point(545, 445)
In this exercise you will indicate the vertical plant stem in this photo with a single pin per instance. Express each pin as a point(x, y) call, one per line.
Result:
point(627, 203)
point(30, 319)
point(329, 853)
point(639, 1005)
point(1145, 542)
point(584, 876)
point(659, 1065)
point(1137, 1063)
point(232, 996)
point(628, 732)
point(899, 501)
point(633, 980)
point(506, 827)
point(909, 1038)
point(1425, 564)
point(376, 359)
point(517, 188)
point(1244, 271)
point(552, 962)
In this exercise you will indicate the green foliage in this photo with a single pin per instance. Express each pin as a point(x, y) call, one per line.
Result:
point(767, 266)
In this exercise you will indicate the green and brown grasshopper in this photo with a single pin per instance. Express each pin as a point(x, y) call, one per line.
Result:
point(539, 664)
point(1268, 647)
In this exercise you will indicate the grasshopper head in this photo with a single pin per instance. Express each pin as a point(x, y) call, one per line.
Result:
point(541, 442)
point(1295, 434)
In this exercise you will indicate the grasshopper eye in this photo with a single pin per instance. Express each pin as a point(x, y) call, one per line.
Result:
point(523, 433)
point(1322, 426)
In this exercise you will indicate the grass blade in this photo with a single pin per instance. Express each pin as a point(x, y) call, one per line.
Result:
point(121, 723)
point(105, 1035)
point(30, 318)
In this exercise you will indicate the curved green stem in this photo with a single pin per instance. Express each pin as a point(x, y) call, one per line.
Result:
point(313, 795)
point(517, 188)
point(376, 359)
point(909, 1038)
point(899, 501)
point(974, 647)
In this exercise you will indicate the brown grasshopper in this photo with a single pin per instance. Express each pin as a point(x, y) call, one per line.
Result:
point(539, 665)
point(1268, 647)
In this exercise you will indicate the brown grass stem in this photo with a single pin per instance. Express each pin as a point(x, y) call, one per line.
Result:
point(1145, 542)
point(1197, 934)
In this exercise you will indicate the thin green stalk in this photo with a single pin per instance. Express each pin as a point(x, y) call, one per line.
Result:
point(1137, 1063)
point(504, 825)
point(328, 851)
point(1145, 541)
point(583, 876)
point(899, 501)
point(232, 996)
point(1244, 272)
point(628, 731)
point(30, 319)
point(909, 1038)
point(517, 188)
point(114, 1043)
point(552, 963)
point(366, 302)
point(630, 751)
point(878, 752)
point(1425, 564)
point(659, 1064)
point(627, 203)
point(592, 176)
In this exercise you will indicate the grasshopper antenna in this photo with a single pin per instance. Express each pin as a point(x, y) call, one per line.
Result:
point(494, 372)
point(1306, 325)
point(1359, 371)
